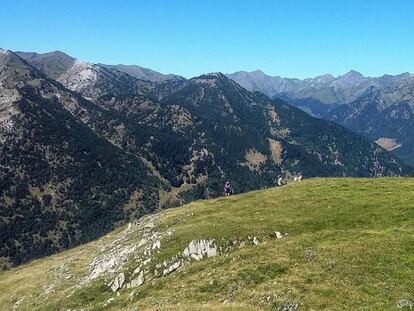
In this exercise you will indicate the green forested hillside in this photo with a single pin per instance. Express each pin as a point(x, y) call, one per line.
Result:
point(60, 183)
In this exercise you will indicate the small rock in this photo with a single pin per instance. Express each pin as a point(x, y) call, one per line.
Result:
point(278, 235)
point(149, 226)
point(137, 270)
point(405, 303)
point(118, 282)
point(109, 301)
point(170, 232)
point(199, 249)
point(255, 241)
point(132, 294)
point(156, 245)
point(290, 306)
point(138, 281)
point(196, 256)
point(171, 268)
point(309, 254)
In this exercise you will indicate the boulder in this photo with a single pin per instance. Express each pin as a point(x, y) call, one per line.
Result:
point(137, 270)
point(138, 281)
point(171, 268)
point(149, 226)
point(290, 307)
point(278, 235)
point(156, 245)
point(118, 282)
point(405, 303)
point(199, 249)
point(170, 232)
point(109, 301)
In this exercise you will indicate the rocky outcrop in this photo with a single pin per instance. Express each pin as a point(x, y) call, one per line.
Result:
point(405, 303)
point(199, 249)
point(171, 268)
point(278, 235)
point(118, 282)
point(138, 281)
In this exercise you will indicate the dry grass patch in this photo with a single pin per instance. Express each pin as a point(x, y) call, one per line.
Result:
point(254, 159)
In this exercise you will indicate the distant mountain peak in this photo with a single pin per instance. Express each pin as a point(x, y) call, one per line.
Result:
point(216, 76)
point(323, 78)
point(353, 73)
point(258, 71)
point(351, 78)
point(15, 69)
point(213, 75)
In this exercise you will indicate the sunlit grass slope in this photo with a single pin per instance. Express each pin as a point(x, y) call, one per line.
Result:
point(349, 246)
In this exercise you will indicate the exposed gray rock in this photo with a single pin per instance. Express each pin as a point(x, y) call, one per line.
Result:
point(149, 226)
point(118, 282)
point(309, 254)
point(170, 231)
point(199, 249)
point(278, 235)
point(290, 307)
point(172, 268)
point(132, 294)
point(156, 245)
point(109, 301)
point(138, 281)
point(405, 303)
point(137, 270)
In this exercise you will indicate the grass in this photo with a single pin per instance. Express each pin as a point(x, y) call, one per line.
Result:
point(349, 246)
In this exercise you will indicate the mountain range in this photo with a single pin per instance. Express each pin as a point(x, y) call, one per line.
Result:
point(86, 147)
point(380, 108)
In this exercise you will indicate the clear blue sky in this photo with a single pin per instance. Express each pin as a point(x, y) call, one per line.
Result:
point(291, 38)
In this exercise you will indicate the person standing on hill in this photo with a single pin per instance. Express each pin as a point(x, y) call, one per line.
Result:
point(228, 190)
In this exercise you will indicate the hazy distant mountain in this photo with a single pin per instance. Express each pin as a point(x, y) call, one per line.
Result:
point(379, 108)
point(384, 115)
point(315, 95)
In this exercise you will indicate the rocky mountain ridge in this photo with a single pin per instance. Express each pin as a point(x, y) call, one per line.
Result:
point(323, 90)
point(61, 183)
point(385, 115)
point(379, 108)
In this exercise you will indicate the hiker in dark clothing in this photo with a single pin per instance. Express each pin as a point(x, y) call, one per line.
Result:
point(228, 190)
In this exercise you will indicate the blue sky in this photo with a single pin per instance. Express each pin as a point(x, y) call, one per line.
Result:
point(291, 38)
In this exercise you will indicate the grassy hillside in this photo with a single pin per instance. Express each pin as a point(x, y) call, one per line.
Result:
point(348, 244)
